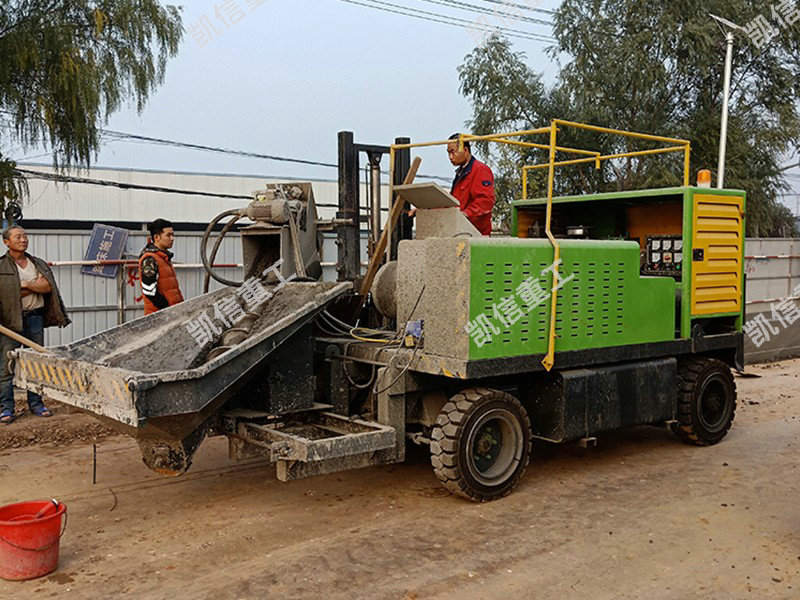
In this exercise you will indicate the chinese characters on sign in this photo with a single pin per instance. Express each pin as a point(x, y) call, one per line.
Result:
point(761, 30)
point(760, 329)
point(226, 15)
point(231, 309)
point(506, 17)
point(106, 243)
point(508, 311)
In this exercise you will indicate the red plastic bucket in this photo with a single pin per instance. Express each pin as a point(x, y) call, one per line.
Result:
point(29, 546)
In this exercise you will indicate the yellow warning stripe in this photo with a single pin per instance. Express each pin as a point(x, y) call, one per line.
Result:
point(60, 372)
point(39, 374)
point(69, 376)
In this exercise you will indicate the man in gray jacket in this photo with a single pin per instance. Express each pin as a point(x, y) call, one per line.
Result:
point(29, 302)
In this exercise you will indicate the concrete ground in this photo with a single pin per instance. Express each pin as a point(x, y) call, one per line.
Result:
point(639, 516)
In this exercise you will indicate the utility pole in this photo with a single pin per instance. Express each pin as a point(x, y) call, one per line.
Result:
point(726, 93)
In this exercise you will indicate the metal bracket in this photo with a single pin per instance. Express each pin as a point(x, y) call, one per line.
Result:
point(314, 444)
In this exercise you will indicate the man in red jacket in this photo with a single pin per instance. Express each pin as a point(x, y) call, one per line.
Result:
point(473, 186)
point(159, 281)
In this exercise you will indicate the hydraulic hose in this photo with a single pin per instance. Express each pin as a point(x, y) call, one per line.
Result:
point(217, 243)
point(204, 245)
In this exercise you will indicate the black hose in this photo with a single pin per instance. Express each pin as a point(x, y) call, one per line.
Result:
point(204, 246)
point(217, 243)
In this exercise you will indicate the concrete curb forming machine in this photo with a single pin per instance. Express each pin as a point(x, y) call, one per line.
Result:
point(600, 312)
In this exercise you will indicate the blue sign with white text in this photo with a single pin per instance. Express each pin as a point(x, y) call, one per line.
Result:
point(106, 243)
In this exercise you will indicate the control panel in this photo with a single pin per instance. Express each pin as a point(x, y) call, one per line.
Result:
point(664, 256)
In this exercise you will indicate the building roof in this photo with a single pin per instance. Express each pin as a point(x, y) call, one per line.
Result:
point(51, 201)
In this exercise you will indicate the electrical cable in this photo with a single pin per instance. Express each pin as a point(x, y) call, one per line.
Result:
point(319, 322)
point(413, 354)
point(324, 315)
point(121, 136)
point(465, 24)
point(123, 186)
point(346, 326)
point(403, 371)
point(375, 340)
point(458, 19)
point(524, 7)
point(360, 386)
point(488, 11)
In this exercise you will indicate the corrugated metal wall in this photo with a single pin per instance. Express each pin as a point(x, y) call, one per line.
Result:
point(772, 267)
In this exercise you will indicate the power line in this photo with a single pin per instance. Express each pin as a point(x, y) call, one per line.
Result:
point(488, 11)
point(164, 142)
point(522, 6)
point(131, 137)
point(455, 22)
point(28, 174)
point(469, 24)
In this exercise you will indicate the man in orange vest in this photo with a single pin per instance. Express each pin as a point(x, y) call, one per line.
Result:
point(473, 185)
point(159, 281)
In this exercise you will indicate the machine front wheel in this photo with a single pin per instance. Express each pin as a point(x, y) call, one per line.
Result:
point(481, 444)
point(706, 401)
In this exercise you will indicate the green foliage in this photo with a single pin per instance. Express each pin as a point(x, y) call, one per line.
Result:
point(67, 65)
point(653, 67)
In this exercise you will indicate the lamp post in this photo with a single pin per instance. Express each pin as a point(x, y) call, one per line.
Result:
point(728, 28)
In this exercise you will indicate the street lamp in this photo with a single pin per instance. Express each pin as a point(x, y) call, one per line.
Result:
point(726, 93)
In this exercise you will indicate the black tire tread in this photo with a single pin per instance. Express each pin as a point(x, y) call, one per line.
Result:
point(445, 440)
point(689, 373)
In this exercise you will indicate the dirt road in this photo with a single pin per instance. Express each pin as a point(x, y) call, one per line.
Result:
point(639, 516)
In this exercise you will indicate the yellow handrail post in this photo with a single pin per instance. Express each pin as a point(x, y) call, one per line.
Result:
point(524, 183)
point(686, 164)
point(549, 359)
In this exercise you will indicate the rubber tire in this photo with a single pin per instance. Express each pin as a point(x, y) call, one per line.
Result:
point(692, 376)
point(449, 440)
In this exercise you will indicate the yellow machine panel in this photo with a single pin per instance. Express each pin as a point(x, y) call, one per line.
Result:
point(717, 242)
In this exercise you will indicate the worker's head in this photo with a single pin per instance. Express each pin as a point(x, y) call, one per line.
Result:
point(15, 238)
point(458, 157)
point(162, 233)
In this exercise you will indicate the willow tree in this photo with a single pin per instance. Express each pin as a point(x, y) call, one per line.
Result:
point(67, 65)
point(654, 67)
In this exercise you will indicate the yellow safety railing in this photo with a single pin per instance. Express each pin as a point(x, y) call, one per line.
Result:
point(675, 145)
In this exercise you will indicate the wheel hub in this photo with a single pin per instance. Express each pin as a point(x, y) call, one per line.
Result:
point(495, 447)
point(487, 446)
point(712, 406)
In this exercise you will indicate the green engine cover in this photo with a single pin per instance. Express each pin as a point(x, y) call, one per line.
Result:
point(605, 302)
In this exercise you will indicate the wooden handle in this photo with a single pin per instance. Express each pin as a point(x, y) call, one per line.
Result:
point(394, 215)
point(47, 508)
point(22, 340)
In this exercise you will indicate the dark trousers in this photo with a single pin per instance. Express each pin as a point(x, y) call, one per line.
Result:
point(33, 329)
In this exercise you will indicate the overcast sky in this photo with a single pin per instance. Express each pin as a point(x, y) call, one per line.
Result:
point(290, 74)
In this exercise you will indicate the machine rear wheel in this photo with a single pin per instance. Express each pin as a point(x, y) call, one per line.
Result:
point(706, 401)
point(481, 444)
